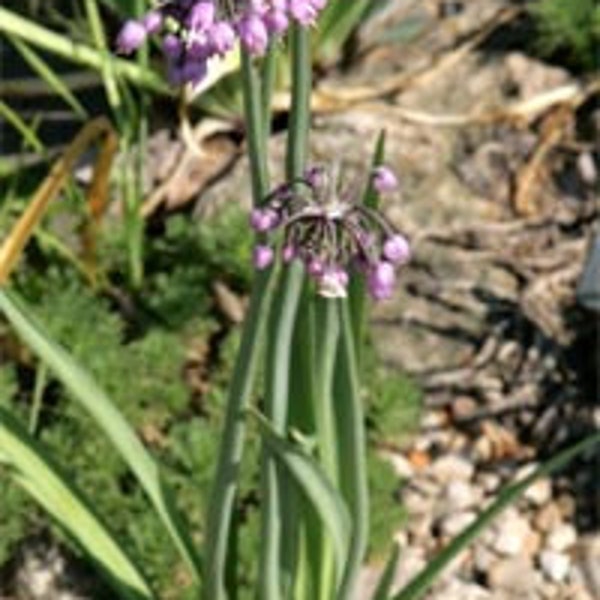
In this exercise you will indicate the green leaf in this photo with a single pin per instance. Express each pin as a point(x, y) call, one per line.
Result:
point(307, 473)
point(17, 26)
point(41, 67)
point(110, 420)
point(29, 135)
point(29, 465)
point(384, 586)
point(418, 586)
point(338, 21)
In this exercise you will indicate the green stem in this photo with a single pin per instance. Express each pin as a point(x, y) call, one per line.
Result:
point(299, 126)
point(222, 499)
point(268, 82)
point(281, 331)
point(256, 139)
point(280, 335)
point(327, 324)
point(352, 447)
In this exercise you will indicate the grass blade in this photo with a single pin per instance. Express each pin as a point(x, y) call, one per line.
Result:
point(29, 466)
point(423, 581)
point(41, 67)
point(384, 586)
point(29, 135)
point(85, 390)
point(19, 27)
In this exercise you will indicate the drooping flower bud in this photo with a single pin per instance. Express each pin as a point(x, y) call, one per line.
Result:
point(263, 256)
point(384, 179)
point(131, 37)
point(396, 249)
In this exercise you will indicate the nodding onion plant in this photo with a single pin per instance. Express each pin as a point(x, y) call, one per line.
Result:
point(321, 248)
point(314, 233)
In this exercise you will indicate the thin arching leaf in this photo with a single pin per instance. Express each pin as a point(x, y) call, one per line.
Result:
point(95, 401)
point(27, 463)
point(307, 473)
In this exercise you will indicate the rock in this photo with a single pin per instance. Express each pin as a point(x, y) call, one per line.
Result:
point(512, 535)
point(483, 558)
point(566, 505)
point(539, 493)
point(400, 464)
point(413, 560)
point(452, 467)
point(459, 495)
point(587, 557)
point(532, 544)
point(554, 565)
point(416, 502)
point(547, 518)
point(488, 482)
point(455, 589)
point(463, 408)
point(454, 524)
point(561, 538)
point(483, 449)
point(514, 576)
point(419, 527)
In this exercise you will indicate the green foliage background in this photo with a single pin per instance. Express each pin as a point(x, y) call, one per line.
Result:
point(139, 355)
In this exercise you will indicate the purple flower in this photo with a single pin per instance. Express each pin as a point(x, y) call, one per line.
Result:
point(152, 21)
point(263, 219)
point(263, 256)
point(303, 11)
point(384, 179)
point(172, 46)
point(396, 249)
point(201, 16)
point(253, 33)
point(381, 280)
point(201, 29)
point(289, 253)
point(222, 37)
point(131, 37)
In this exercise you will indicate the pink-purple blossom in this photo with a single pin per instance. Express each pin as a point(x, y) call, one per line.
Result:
point(384, 179)
point(205, 29)
point(326, 227)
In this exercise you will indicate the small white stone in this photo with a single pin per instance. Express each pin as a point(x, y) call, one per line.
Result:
point(400, 464)
point(460, 495)
point(562, 537)
point(513, 576)
point(454, 524)
point(555, 565)
point(413, 560)
point(512, 534)
point(489, 482)
point(452, 467)
point(483, 558)
point(539, 493)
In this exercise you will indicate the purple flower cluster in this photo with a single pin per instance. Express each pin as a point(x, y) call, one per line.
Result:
point(332, 233)
point(194, 31)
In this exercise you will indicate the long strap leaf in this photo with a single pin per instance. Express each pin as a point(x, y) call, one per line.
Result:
point(29, 465)
point(309, 476)
point(85, 390)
